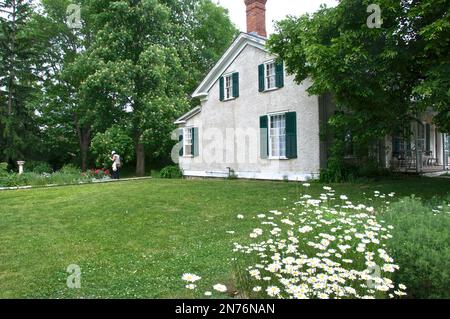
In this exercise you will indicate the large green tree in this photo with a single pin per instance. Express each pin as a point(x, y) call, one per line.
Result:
point(381, 77)
point(130, 65)
point(146, 56)
point(60, 117)
point(138, 76)
point(20, 66)
point(430, 23)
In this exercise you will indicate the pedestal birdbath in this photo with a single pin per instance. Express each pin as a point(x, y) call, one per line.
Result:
point(21, 164)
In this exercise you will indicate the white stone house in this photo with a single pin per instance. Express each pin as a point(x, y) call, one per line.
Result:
point(255, 122)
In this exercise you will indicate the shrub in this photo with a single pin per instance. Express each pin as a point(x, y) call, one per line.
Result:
point(70, 169)
point(12, 180)
point(37, 167)
point(67, 175)
point(3, 169)
point(116, 139)
point(171, 172)
point(421, 246)
point(339, 171)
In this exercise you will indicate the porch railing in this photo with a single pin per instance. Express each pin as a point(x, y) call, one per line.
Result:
point(414, 160)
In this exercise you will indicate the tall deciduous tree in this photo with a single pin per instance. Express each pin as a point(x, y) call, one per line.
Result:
point(381, 76)
point(60, 117)
point(137, 70)
point(430, 22)
point(149, 49)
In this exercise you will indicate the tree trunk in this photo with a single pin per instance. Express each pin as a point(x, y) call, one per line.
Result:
point(140, 159)
point(85, 142)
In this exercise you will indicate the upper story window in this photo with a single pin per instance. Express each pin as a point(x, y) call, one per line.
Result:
point(270, 73)
point(228, 87)
point(271, 76)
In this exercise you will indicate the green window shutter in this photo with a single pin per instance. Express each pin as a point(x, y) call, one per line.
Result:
point(279, 78)
point(262, 84)
point(236, 84)
point(428, 137)
point(264, 134)
point(180, 138)
point(195, 142)
point(291, 135)
point(222, 88)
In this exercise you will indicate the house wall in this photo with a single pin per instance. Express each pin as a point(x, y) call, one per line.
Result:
point(223, 126)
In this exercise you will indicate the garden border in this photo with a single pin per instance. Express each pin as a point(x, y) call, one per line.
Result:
point(75, 184)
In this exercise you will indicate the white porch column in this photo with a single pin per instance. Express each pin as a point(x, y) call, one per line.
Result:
point(445, 151)
point(21, 164)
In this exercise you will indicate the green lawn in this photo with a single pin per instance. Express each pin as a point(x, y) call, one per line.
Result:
point(136, 239)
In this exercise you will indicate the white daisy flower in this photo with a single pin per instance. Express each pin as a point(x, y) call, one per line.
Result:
point(273, 291)
point(190, 277)
point(220, 288)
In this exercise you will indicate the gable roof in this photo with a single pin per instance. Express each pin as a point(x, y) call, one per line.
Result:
point(227, 58)
point(188, 115)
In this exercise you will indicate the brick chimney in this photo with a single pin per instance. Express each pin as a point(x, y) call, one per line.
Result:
point(256, 17)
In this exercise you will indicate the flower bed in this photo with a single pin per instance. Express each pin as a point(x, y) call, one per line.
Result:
point(326, 247)
point(98, 173)
point(62, 177)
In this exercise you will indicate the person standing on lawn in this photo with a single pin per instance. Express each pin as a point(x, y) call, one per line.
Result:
point(116, 165)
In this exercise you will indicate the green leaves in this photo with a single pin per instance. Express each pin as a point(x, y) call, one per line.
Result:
point(115, 138)
point(373, 74)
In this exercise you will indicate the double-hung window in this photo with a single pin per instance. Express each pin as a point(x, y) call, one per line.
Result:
point(270, 75)
point(188, 136)
point(228, 87)
point(277, 136)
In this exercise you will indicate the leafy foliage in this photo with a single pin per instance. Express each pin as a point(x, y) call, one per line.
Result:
point(20, 64)
point(3, 169)
point(421, 246)
point(132, 63)
point(380, 78)
point(113, 139)
point(38, 167)
point(171, 172)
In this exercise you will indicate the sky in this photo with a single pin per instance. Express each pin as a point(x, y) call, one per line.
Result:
point(276, 10)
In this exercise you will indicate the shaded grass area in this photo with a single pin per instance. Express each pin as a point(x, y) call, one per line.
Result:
point(136, 239)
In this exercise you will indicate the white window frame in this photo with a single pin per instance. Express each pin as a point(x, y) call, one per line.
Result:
point(228, 87)
point(268, 77)
point(187, 141)
point(280, 155)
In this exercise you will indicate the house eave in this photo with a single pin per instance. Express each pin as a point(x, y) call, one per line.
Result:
point(183, 119)
point(227, 58)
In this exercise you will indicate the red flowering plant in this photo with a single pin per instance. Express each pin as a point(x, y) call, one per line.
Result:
point(98, 173)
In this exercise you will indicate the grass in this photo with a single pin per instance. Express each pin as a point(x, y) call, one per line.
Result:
point(136, 239)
